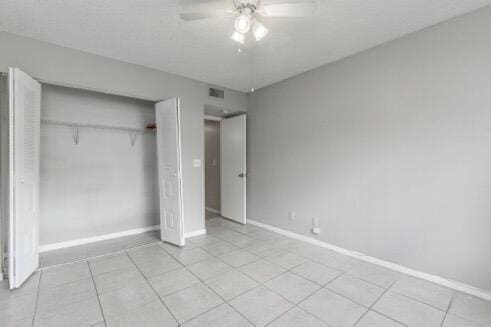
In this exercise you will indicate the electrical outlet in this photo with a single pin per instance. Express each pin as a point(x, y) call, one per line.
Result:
point(315, 221)
point(291, 215)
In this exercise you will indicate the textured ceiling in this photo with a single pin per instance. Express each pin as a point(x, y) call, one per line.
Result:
point(150, 33)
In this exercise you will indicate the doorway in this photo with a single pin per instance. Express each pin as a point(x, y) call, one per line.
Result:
point(225, 167)
point(212, 167)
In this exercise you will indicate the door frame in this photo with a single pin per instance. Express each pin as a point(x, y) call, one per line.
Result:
point(211, 118)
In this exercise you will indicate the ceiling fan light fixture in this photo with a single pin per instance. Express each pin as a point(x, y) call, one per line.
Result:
point(238, 37)
point(259, 30)
point(242, 23)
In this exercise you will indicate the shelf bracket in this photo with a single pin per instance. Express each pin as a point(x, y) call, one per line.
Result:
point(133, 138)
point(75, 134)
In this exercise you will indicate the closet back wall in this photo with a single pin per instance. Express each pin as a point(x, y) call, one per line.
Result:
point(103, 184)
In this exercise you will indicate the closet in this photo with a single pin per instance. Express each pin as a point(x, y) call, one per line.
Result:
point(95, 158)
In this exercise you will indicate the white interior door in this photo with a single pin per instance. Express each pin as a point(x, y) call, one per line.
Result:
point(233, 168)
point(170, 172)
point(24, 121)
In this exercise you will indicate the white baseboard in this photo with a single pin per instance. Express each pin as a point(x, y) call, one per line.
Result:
point(195, 233)
point(213, 210)
point(80, 241)
point(486, 295)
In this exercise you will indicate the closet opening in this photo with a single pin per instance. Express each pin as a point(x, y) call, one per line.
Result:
point(98, 173)
point(212, 166)
point(84, 173)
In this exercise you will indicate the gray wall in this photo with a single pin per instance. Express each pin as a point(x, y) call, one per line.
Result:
point(54, 63)
point(101, 185)
point(212, 164)
point(390, 149)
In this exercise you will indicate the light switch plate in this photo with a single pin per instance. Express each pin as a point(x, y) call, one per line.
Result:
point(197, 163)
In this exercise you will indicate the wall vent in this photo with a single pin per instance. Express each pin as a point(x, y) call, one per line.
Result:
point(217, 93)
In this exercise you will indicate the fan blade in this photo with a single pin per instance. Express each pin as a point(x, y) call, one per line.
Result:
point(287, 9)
point(190, 16)
point(204, 14)
point(202, 2)
point(207, 5)
point(202, 9)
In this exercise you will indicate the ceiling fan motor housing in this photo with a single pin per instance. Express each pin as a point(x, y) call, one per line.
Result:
point(247, 7)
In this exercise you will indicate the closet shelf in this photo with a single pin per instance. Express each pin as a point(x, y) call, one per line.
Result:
point(76, 126)
point(96, 126)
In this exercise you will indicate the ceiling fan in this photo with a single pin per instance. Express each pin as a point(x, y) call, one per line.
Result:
point(247, 13)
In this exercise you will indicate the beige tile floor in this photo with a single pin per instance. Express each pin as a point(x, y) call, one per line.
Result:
point(234, 276)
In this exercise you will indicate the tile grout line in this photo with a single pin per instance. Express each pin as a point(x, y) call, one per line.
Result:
point(346, 297)
point(263, 284)
point(37, 299)
point(419, 301)
point(236, 268)
point(63, 285)
point(349, 273)
point(313, 281)
point(203, 282)
point(294, 305)
point(448, 309)
point(461, 317)
point(336, 278)
point(310, 313)
point(151, 287)
point(97, 293)
point(297, 305)
point(374, 303)
point(389, 287)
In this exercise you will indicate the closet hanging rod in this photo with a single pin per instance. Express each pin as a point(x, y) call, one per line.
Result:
point(96, 126)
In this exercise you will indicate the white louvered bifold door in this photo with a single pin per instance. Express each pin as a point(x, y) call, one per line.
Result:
point(24, 134)
point(170, 176)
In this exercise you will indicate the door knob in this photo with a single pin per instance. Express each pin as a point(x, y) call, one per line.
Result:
point(242, 175)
